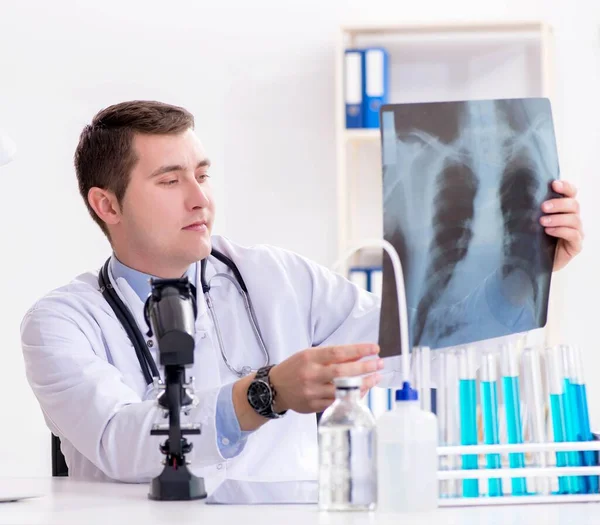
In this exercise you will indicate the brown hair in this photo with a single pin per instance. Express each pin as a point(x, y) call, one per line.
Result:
point(105, 155)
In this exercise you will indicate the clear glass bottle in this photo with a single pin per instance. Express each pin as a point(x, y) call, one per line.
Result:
point(347, 451)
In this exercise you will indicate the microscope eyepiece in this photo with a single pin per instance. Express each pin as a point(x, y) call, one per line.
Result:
point(170, 313)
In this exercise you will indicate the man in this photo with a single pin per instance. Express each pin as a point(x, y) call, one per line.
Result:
point(144, 177)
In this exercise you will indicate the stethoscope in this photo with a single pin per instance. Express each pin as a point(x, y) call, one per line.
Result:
point(147, 363)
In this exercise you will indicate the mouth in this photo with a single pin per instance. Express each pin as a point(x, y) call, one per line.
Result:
point(200, 226)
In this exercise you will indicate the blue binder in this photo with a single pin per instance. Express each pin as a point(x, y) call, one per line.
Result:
point(354, 87)
point(367, 277)
point(376, 60)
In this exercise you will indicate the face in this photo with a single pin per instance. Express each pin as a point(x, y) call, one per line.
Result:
point(165, 220)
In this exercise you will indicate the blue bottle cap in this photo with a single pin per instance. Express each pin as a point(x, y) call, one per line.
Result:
point(406, 393)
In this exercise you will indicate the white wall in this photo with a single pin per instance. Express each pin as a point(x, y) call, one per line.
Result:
point(260, 82)
point(60, 63)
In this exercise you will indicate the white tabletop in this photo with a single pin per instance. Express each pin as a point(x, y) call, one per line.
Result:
point(64, 501)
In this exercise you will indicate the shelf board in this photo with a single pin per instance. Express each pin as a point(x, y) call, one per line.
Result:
point(362, 135)
point(458, 27)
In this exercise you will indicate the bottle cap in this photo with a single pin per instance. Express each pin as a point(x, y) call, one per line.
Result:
point(347, 382)
point(406, 393)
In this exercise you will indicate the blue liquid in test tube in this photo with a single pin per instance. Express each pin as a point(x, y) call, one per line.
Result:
point(468, 416)
point(558, 427)
point(583, 417)
point(556, 386)
point(489, 406)
point(572, 424)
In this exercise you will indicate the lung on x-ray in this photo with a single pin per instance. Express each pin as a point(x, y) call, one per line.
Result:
point(463, 184)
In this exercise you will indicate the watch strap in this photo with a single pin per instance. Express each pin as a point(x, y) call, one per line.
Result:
point(262, 374)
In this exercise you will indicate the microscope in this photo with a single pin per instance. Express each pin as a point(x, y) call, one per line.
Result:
point(170, 313)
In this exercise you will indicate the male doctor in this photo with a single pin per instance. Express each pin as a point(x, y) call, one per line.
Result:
point(144, 177)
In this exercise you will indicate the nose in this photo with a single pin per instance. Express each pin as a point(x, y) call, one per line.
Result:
point(197, 195)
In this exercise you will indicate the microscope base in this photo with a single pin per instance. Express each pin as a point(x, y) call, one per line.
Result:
point(177, 484)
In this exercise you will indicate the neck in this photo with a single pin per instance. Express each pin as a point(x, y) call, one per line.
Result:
point(151, 266)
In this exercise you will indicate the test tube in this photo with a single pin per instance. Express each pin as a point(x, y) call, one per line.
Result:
point(426, 378)
point(571, 414)
point(585, 433)
point(468, 415)
point(512, 406)
point(489, 405)
point(378, 401)
point(440, 406)
point(442, 395)
point(452, 404)
point(417, 372)
point(534, 401)
point(556, 388)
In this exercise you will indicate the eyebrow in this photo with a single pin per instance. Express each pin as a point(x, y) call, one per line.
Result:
point(177, 167)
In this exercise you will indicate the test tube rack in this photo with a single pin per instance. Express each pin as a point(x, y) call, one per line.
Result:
point(551, 473)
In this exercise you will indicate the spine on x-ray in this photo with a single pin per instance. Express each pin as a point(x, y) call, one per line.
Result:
point(454, 211)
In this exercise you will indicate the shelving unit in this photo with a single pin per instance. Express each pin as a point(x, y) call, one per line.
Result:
point(362, 135)
point(467, 55)
point(429, 62)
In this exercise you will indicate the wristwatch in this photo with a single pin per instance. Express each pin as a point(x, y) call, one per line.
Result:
point(261, 394)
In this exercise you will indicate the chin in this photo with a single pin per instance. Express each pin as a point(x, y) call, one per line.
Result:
point(202, 251)
point(191, 252)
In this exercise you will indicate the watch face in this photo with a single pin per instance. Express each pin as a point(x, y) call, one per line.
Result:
point(259, 395)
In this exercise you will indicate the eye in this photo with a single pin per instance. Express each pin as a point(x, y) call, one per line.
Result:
point(203, 176)
point(171, 182)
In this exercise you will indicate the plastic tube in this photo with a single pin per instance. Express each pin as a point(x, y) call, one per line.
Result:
point(400, 295)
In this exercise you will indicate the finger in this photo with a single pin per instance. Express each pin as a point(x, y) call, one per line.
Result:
point(564, 188)
point(356, 368)
point(344, 353)
point(369, 382)
point(570, 220)
point(570, 235)
point(567, 205)
point(325, 391)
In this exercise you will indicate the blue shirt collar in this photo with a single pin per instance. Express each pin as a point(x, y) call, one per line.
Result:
point(139, 281)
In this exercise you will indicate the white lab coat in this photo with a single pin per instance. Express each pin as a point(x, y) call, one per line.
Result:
point(84, 372)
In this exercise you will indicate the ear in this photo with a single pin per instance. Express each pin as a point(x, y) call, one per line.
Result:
point(105, 204)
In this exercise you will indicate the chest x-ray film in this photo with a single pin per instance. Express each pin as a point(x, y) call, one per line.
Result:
point(463, 184)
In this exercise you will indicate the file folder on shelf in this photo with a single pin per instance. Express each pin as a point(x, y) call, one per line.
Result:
point(368, 277)
point(376, 85)
point(354, 87)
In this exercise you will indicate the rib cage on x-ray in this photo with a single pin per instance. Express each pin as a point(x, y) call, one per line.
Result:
point(517, 191)
point(463, 185)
